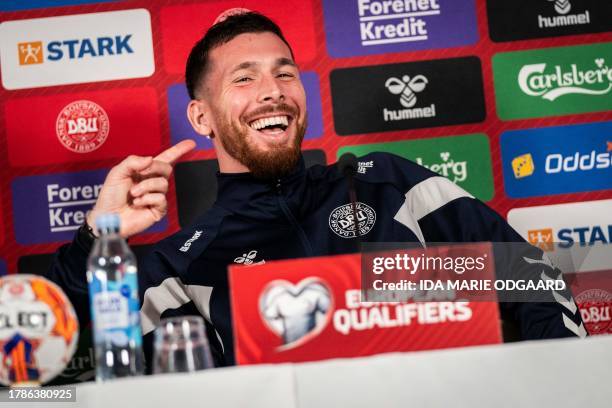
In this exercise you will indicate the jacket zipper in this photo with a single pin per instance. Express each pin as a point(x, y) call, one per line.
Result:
point(285, 208)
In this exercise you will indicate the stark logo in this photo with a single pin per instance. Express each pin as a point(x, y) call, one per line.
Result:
point(541, 238)
point(342, 221)
point(249, 259)
point(82, 126)
point(296, 313)
point(30, 53)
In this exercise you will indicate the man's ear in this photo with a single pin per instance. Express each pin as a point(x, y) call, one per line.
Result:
point(198, 114)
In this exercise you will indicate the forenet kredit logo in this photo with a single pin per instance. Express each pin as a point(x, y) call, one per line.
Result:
point(296, 313)
point(536, 80)
point(385, 22)
point(82, 126)
point(407, 88)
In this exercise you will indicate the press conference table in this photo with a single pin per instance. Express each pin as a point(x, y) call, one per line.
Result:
point(559, 373)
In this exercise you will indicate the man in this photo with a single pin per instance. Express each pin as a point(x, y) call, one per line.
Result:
point(248, 98)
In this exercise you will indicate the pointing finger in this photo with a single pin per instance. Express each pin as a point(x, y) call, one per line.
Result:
point(130, 165)
point(157, 168)
point(175, 152)
point(158, 184)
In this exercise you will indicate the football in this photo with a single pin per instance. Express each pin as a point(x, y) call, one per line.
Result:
point(38, 330)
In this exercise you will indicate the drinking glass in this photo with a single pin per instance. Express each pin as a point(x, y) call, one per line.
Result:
point(181, 346)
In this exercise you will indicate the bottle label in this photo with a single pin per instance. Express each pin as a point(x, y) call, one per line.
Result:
point(111, 310)
point(116, 311)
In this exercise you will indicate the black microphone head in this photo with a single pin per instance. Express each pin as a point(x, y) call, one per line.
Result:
point(347, 164)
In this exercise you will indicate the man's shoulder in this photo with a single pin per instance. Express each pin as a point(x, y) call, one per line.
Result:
point(382, 167)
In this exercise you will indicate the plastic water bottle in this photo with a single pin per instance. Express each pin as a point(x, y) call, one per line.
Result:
point(115, 308)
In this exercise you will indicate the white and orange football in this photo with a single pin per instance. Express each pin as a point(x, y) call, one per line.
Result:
point(38, 330)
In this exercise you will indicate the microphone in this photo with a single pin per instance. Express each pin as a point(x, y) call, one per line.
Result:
point(347, 167)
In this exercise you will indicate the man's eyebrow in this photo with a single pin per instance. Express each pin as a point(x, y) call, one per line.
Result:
point(243, 65)
point(285, 61)
point(251, 64)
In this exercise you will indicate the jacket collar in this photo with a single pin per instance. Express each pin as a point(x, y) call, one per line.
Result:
point(237, 191)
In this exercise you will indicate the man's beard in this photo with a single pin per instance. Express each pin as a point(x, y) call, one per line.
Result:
point(277, 161)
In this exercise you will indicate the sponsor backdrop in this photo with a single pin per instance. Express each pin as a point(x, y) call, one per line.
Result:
point(511, 100)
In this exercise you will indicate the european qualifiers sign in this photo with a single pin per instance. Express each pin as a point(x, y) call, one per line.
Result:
point(363, 27)
point(524, 19)
point(407, 95)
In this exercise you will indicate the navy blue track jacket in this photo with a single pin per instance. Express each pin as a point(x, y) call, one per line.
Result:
point(301, 215)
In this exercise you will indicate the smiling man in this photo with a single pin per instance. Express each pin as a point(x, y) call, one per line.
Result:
point(248, 98)
point(248, 91)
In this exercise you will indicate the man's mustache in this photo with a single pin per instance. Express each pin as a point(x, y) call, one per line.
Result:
point(281, 109)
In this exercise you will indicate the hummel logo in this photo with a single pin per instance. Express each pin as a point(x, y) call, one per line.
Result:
point(562, 6)
point(248, 259)
point(406, 88)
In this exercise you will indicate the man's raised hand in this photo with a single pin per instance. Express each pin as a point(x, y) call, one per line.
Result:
point(136, 189)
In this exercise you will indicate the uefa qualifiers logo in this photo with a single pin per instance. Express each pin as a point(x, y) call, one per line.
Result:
point(296, 313)
point(82, 126)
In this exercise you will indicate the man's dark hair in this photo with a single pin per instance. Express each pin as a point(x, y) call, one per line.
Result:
point(219, 34)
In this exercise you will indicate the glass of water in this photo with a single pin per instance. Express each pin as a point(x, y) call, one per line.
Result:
point(181, 346)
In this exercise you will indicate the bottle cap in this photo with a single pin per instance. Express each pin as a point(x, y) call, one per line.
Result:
point(108, 223)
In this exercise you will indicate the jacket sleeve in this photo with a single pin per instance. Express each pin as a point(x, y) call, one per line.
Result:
point(161, 291)
point(68, 271)
point(443, 212)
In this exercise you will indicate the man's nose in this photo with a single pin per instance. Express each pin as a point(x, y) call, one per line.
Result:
point(270, 90)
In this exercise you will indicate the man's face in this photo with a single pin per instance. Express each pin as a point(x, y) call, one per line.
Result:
point(257, 102)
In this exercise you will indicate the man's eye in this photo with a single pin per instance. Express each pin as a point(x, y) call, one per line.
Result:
point(286, 75)
point(242, 79)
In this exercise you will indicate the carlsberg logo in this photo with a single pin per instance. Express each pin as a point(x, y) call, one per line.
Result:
point(552, 83)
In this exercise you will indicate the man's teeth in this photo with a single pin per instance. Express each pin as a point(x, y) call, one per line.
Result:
point(272, 121)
